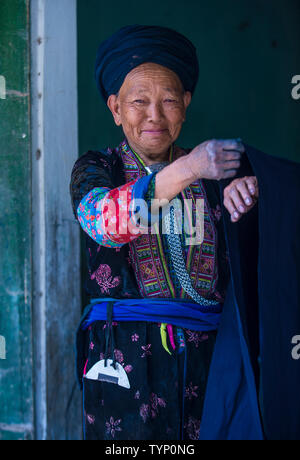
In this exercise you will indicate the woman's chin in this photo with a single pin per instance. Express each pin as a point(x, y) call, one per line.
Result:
point(162, 142)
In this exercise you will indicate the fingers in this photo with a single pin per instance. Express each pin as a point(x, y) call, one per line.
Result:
point(247, 196)
point(230, 155)
point(231, 208)
point(252, 185)
point(228, 173)
point(234, 204)
point(240, 196)
point(227, 168)
point(216, 159)
point(231, 164)
point(225, 146)
point(225, 156)
point(232, 144)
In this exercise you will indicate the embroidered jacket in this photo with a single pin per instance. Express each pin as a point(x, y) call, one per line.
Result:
point(128, 264)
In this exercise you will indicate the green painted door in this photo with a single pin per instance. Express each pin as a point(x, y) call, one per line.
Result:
point(16, 401)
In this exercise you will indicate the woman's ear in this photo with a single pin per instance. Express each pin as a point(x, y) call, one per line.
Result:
point(114, 106)
point(187, 98)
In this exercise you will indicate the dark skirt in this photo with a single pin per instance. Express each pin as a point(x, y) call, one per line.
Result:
point(166, 394)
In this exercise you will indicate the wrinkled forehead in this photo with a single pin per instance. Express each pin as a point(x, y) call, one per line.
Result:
point(148, 77)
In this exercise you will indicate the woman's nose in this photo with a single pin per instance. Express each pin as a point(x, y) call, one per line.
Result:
point(155, 112)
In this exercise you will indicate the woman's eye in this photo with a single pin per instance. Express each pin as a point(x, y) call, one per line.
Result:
point(170, 100)
point(139, 101)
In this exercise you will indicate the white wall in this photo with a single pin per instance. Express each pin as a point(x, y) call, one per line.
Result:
point(56, 249)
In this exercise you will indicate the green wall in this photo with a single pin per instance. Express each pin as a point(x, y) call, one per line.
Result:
point(248, 51)
point(16, 413)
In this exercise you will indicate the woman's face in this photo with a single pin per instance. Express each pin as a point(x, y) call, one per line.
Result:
point(151, 107)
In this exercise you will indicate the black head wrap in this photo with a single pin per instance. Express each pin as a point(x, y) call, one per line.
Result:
point(136, 44)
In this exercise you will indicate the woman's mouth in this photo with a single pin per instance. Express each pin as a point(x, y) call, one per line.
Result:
point(154, 132)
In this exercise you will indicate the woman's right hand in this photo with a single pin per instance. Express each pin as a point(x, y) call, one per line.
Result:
point(215, 159)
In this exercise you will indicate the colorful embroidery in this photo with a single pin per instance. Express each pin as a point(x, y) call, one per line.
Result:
point(202, 259)
point(190, 391)
point(90, 419)
point(217, 212)
point(106, 216)
point(104, 278)
point(147, 351)
point(147, 255)
point(180, 340)
point(99, 215)
point(119, 356)
point(112, 426)
point(152, 409)
point(128, 368)
point(193, 428)
point(151, 402)
point(196, 337)
point(90, 216)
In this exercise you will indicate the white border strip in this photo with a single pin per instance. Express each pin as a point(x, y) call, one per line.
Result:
point(39, 216)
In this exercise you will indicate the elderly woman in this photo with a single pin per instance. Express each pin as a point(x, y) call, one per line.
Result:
point(146, 340)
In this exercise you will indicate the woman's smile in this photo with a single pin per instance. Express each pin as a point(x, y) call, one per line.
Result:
point(155, 132)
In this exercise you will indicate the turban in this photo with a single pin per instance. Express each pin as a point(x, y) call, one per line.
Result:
point(134, 45)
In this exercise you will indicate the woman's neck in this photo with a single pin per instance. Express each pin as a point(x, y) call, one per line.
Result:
point(149, 159)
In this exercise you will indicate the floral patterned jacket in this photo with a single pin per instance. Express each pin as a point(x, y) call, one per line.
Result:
point(126, 265)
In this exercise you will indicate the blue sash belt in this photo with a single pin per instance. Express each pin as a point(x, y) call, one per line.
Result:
point(177, 312)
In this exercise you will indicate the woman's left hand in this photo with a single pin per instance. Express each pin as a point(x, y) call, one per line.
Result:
point(240, 196)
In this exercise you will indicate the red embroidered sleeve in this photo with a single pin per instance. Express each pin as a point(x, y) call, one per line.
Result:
point(110, 217)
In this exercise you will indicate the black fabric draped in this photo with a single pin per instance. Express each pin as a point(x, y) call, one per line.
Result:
point(261, 313)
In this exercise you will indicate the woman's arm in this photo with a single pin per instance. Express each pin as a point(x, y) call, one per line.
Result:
point(214, 159)
point(104, 211)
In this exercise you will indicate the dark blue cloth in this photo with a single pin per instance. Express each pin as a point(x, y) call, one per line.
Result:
point(136, 44)
point(231, 410)
point(253, 385)
point(177, 312)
